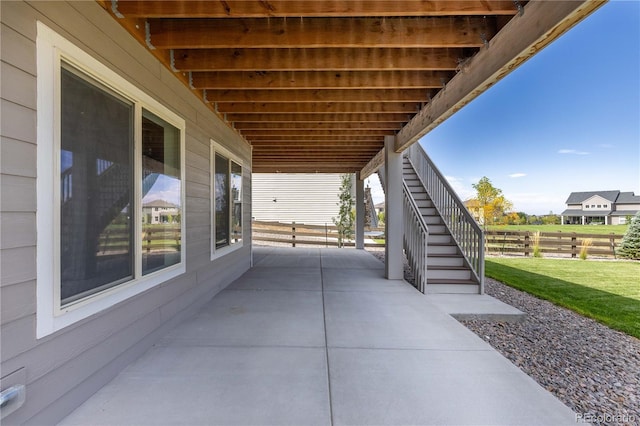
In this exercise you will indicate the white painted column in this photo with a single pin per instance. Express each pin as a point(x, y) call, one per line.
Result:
point(359, 212)
point(394, 268)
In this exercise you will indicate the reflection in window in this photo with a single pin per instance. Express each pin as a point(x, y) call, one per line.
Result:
point(236, 198)
point(227, 187)
point(161, 194)
point(96, 187)
point(221, 189)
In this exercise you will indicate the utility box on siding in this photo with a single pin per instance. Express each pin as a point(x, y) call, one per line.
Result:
point(296, 197)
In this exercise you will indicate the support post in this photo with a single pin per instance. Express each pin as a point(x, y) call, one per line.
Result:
point(394, 268)
point(360, 210)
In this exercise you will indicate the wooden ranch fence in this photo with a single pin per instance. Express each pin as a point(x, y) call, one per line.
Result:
point(515, 243)
point(298, 234)
point(563, 243)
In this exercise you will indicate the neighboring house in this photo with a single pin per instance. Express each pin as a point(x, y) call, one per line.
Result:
point(600, 207)
point(476, 209)
point(306, 198)
point(160, 211)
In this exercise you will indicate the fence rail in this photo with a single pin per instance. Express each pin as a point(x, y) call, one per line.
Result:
point(297, 234)
point(562, 243)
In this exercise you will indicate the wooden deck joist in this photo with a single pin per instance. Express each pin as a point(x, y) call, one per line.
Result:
point(317, 85)
point(307, 8)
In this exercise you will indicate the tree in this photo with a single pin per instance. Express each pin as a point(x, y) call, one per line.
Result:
point(344, 221)
point(630, 245)
point(492, 203)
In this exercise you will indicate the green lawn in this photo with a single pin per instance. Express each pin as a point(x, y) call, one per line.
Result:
point(580, 229)
point(606, 291)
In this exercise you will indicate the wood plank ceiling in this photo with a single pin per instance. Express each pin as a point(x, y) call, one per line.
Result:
point(315, 86)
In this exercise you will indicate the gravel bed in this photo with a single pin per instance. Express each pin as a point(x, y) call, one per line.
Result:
point(591, 368)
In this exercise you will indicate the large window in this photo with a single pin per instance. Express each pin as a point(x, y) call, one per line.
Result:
point(110, 187)
point(226, 186)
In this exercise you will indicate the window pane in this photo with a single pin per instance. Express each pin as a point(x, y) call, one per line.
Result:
point(161, 194)
point(96, 183)
point(236, 197)
point(221, 200)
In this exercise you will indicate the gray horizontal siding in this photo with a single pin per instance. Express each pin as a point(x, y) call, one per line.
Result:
point(302, 198)
point(66, 367)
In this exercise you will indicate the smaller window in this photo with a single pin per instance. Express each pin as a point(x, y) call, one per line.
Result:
point(226, 220)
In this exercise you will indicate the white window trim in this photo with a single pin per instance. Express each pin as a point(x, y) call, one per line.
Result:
point(51, 316)
point(217, 148)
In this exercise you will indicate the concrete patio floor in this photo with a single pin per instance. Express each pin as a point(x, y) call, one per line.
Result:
point(319, 337)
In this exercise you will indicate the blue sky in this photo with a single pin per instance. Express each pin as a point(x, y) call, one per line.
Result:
point(566, 120)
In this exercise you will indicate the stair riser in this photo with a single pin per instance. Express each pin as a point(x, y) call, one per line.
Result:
point(444, 261)
point(437, 229)
point(432, 220)
point(452, 289)
point(443, 250)
point(438, 239)
point(448, 274)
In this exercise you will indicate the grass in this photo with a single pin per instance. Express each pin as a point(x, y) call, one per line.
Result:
point(580, 229)
point(608, 292)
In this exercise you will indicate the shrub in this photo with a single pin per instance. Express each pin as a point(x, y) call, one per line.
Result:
point(584, 248)
point(630, 245)
point(537, 252)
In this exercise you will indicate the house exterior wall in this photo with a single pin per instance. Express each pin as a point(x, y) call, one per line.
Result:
point(62, 369)
point(311, 199)
point(627, 208)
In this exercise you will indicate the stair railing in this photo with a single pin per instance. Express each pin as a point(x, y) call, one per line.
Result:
point(415, 239)
point(463, 227)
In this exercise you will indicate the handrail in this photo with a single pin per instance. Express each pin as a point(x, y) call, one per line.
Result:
point(415, 239)
point(463, 227)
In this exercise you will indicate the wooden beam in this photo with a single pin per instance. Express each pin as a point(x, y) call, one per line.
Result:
point(314, 144)
point(304, 168)
point(312, 133)
point(306, 8)
point(335, 95)
point(319, 108)
point(256, 80)
point(320, 59)
point(317, 118)
point(312, 155)
point(355, 125)
point(316, 139)
point(524, 36)
point(439, 32)
point(373, 165)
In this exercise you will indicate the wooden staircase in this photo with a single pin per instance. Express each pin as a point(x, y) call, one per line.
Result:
point(447, 268)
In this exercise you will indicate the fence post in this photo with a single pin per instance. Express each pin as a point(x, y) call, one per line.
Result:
point(326, 235)
point(574, 245)
point(148, 240)
point(526, 244)
point(612, 241)
point(293, 234)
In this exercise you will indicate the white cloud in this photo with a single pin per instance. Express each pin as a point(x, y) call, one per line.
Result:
point(605, 145)
point(572, 151)
point(517, 175)
point(465, 192)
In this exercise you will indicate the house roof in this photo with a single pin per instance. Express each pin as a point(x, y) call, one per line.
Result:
point(160, 204)
point(579, 197)
point(316, 86)
point(628, 198)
